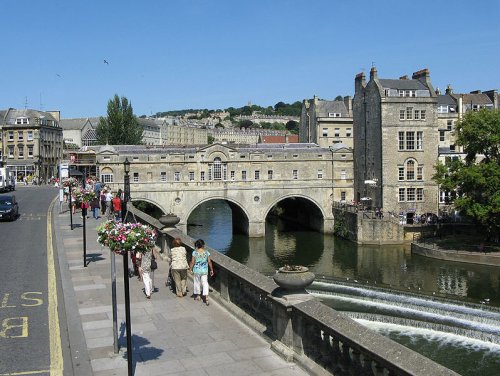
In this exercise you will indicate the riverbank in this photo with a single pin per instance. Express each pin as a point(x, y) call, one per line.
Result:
point(432, 250)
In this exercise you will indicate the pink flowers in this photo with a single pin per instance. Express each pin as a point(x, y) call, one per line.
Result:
point(126, 237)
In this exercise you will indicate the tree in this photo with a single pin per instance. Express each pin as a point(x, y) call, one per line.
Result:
point(120, 127)
point(339, 98)
point(210, 139)
point(246, 124)
point(476, 180)
point(292, 126)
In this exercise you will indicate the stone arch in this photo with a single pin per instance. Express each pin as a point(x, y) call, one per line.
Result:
point(240, 215)
point(313, 219)
point(146, 199)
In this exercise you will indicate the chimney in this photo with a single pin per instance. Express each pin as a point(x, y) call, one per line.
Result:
point(348, 104)
point(438, 91)
point(359, 82)
point(405, 77)
point(424, 77)
point(373, 73)
point(493, 95)
point(449, 89)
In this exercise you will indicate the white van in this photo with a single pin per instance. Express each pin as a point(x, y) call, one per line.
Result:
point(7, 180)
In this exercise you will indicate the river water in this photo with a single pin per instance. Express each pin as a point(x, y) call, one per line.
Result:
point(447, 311)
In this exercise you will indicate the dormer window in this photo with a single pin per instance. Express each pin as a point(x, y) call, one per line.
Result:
point(22, 120)
point(407, 93)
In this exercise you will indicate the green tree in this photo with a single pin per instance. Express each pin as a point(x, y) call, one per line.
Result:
point(120, 127)
point(476, 180)
point(211, 139)
point(246, 124)
point(339, 98)
point(292, 126)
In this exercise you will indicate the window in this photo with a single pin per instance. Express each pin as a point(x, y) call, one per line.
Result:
point(422, 114)
point(342, 195)
point(409, 113)
point(20, 135)
point(348, 132)
point(449, 125)
point(442, 109)
point(401, 173)
point(107, 178)
point(243, 175)
point(452, 147)
point(410, 140)
point(334, 114)
point(420, 141)
point(232, 173)
point(420, 173)
point(410, 194)
point(343, 174)
point(135, 177)
point(325, 132)
point(441, 135)
point(401, 138)
point(257, 175)
point(295, 155)
point(401, 194)
point(11, 135)
point(320, 174)
point(410, 170)
point(191, 175)
point(337, 132)
point(202, 175)
point(22, 120)
point(177, 176)
point(402, 114)
point(20, 151)
point(420, 194)
point(217, 169)
point(30, 151)
point(295, 174)
point(30, 135)
point(416, 115)
point(270, 174)
point(163, 176)
point(407, 93)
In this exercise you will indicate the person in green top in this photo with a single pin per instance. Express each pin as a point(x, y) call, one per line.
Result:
point(200, 264)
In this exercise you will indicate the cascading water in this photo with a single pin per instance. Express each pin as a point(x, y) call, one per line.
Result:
point(463, 329)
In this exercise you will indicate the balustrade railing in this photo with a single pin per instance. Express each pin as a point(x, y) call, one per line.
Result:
point(300, 327)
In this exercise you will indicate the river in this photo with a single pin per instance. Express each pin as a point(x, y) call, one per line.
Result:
point(447, 311)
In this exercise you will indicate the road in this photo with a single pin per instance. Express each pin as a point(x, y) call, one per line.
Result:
point(30, 341)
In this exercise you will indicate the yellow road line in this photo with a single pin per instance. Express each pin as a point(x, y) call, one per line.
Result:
point(56, 358)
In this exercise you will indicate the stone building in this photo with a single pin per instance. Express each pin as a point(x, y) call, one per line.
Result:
point(396, 143)
point(252, 179)
point(243, 136)
point(78, 132)
point(31, 142)
point(326, 122)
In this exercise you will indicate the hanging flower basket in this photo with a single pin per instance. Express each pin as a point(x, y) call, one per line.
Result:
point(70, 182)
point(126, 237)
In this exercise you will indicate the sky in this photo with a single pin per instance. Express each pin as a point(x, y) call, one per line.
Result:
point(168, 55)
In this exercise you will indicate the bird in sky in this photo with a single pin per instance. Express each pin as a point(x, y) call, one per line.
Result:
point(58, 75)
point(105, 62)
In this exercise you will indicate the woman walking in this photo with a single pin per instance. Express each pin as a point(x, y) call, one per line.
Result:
point(146, 272)
point(179, 267)
point(200, 263)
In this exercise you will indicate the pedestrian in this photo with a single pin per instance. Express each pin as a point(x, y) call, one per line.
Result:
point(108, 197)
point(117, 207)
point(179, 266)
point(200, 263)
point(102, 198)
point(145, 270)
point(94, 205)
point(85, 207)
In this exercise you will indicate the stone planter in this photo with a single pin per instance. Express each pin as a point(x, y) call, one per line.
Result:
point(293, 278)
point(169, 220)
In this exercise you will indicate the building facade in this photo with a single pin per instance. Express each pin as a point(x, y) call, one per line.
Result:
point(326, 122)
point(31, 143)
point(396, 143)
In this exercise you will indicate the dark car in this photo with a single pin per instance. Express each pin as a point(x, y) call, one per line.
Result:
point(9, 209)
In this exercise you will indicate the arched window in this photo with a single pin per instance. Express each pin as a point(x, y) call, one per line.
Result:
point(410, 169)
point(217, 169)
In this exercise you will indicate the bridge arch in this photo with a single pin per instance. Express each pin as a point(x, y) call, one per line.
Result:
point(240, 216)
point(309, 213)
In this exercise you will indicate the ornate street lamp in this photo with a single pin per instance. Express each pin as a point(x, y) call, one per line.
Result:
point(126, 197)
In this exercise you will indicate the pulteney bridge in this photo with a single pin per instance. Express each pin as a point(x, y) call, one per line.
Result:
point(301, 180)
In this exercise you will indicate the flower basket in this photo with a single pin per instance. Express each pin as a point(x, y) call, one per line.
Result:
point(70, 182)
point(126, 237)
point(293, 277)
point(169, 220)
point(87, 194)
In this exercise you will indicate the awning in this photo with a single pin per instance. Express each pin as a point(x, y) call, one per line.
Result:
point(74, 172)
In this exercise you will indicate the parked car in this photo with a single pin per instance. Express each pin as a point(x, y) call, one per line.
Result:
point(9, 208)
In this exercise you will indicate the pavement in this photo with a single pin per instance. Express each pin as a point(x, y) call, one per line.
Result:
point(170, 335)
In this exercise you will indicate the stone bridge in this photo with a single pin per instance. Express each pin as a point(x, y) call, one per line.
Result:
point(298, 178)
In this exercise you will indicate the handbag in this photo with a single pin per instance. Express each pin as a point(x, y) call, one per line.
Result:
point(154, 265)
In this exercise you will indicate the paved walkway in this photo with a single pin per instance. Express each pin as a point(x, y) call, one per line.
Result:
point(170, 335)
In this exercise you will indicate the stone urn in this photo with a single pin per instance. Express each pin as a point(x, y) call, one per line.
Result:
point(293, 277)
point(169, 220)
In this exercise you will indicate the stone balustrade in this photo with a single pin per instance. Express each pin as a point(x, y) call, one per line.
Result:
point(301, 328)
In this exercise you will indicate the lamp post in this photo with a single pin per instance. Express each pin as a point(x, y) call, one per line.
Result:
point(70, 202)
point(84, 219)
point(39, 165)
point(126, 184)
